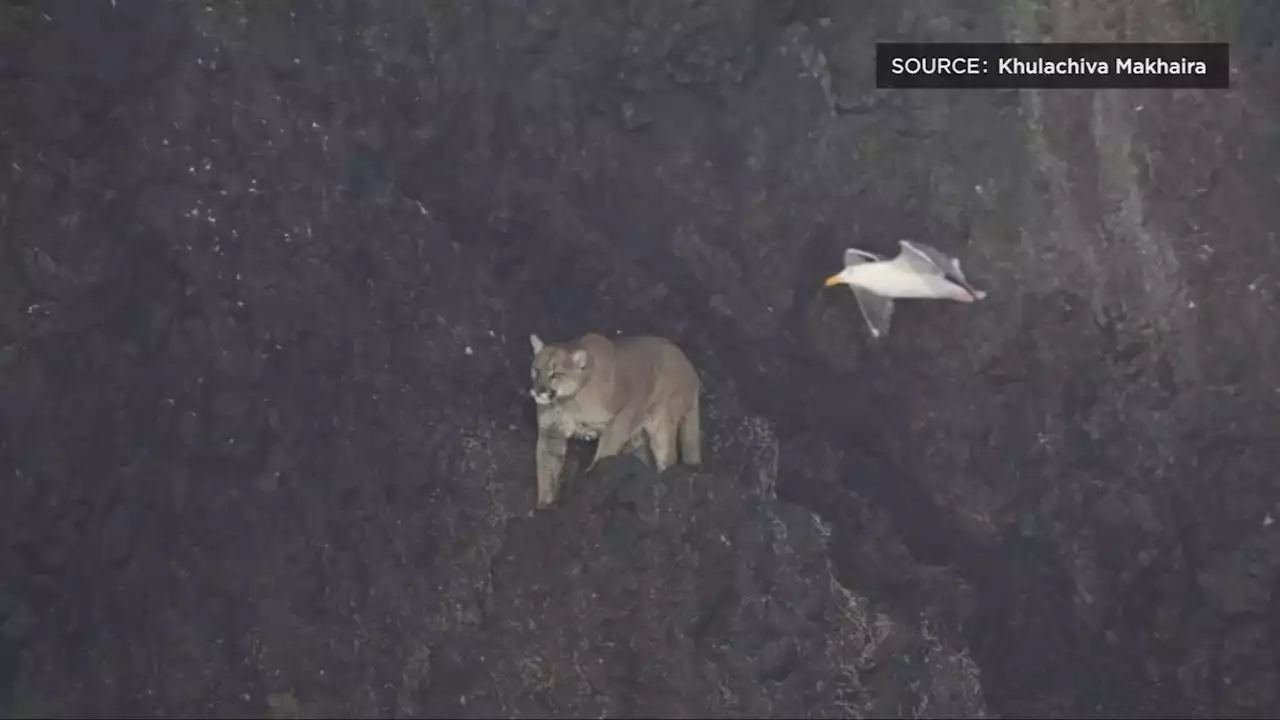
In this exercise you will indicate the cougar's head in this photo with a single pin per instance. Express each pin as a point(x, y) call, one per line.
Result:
point(558, 373)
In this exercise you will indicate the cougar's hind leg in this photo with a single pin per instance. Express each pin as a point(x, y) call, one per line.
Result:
point(639, 447)
point(691, 435)
point(662, 441)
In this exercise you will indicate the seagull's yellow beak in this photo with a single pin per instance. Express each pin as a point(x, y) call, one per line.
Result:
point(833, 280)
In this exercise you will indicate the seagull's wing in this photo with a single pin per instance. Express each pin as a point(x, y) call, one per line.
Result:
point(959, 277)
point(876, 310)
point(857, 257)
point(945, 264)
point(922, 259)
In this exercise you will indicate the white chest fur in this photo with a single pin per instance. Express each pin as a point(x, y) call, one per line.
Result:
point(572, 420)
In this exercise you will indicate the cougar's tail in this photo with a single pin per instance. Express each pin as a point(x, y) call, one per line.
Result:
point(691, 435)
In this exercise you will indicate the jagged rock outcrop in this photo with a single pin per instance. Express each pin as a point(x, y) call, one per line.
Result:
point(682, 596)
point(691, 594)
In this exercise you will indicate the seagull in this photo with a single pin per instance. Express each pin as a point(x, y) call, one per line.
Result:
point(919, 271)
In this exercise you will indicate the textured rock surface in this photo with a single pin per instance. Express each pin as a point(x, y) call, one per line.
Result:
point(689, 596)
point(268, 274)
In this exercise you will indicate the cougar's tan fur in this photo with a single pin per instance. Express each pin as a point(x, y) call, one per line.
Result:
point(623, 393)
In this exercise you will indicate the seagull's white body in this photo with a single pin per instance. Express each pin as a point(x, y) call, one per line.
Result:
point(918, 272)
point(893, 279)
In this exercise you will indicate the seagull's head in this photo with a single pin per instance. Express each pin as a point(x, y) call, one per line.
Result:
point(844, 277)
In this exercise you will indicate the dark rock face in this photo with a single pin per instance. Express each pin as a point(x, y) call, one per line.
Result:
point(268, 274)
point(687, 596)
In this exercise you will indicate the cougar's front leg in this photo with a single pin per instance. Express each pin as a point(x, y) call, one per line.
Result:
point(550, 459)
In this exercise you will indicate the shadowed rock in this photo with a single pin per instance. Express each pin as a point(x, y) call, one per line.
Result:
point(686, 595)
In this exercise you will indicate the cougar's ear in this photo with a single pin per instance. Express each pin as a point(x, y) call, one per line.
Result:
point(579, 358)
point(536, 342)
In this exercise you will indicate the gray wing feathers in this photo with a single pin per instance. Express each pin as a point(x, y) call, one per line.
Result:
point(959, 277)
point(927, 259)
point(857, 257)
point(922, 258)
point(876, 310)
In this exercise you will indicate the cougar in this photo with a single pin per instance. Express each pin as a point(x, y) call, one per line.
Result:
point(621, 393)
